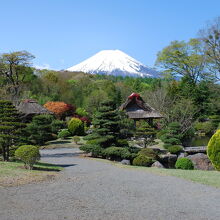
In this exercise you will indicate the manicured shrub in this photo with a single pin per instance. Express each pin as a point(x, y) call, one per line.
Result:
point(10, 128)
point(64, 133)
point(149, 153)
point(76, 139)
point(206, 127)
point(39, 130)
point(76, 126)
point(117, 153)
point(28, 154)
point(184, 164)
point(95, 150)
point(142, 160)
point(57, 125)
point(122, 143)
point(213, 150)
point(175, 149)
point(166, 146)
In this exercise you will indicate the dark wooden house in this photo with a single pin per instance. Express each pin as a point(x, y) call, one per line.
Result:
point(136, 108)
point(29, 108)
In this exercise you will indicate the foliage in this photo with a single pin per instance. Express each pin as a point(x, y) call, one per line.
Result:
point(213, 150)
point(175, 149)
point(95, 150)
point(106, 125)
point(151, 153)
point(57, 125)
point(76, 139)
point(10, 127)
point(142, 160)
point(81, 112)
point(183, 59)
point(39, 130)
point(60, 109)
point(76, 126)
point(117, 153)
point(146, 131)
point(206, 127)
point(15, 70)
point(184, 164)
point(64, 133)
point(29, 154)
point(210, 36)
point(172, 134)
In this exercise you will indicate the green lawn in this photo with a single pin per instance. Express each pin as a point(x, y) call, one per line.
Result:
point(13, 173)
point(211, 178)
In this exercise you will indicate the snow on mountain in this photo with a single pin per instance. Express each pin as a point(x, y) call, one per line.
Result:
point(114, 62)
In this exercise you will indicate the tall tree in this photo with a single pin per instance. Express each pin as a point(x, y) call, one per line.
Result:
point(10, 127)
point(14, 69)
point(184, 59)
point(210, 36)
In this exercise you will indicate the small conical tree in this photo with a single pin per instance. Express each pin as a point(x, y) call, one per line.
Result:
point(10, 127)
point(106, 126)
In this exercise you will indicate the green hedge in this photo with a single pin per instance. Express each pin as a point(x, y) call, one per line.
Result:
point(184, 164)
point(213, 150)
point(142, 160)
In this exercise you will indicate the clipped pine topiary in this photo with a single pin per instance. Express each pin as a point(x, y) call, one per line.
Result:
point(213, 150)
point(142, 160)
point(10, 128)
point(28, 154)
point(184, 164)
point(64, 133)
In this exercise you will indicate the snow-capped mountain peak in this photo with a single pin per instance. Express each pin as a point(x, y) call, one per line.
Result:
point(114, 62)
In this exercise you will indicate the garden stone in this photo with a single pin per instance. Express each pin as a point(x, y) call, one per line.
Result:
point(126, 162)
point(201, 161)
point(181, 155)
point(157, 164)
point(168, 160)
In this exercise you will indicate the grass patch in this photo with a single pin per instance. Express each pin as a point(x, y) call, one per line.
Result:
point(210, 178)
point(14, 174)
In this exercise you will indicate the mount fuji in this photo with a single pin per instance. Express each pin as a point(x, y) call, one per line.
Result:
point(116, 63)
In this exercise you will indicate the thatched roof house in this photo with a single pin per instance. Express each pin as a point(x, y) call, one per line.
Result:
point(136, 108)
point(29, 108)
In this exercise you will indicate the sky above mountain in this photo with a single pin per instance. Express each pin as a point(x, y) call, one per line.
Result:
point(63, 33)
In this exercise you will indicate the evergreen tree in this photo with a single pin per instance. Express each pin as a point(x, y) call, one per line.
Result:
point(106, 123)
point(10, 127)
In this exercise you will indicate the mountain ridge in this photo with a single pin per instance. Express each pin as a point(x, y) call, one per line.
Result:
point(114, 62)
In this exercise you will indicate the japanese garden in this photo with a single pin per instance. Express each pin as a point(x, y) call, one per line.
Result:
point(55, 124)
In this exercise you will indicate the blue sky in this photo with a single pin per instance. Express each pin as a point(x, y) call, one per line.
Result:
point(62, 33)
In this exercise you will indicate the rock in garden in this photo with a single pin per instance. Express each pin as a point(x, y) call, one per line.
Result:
point(126, 162)
point(157, 164)
point(181, 155)
point(168, 160)
point(201, 161)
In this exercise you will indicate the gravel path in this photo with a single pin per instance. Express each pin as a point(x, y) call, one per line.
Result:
point(91, 190)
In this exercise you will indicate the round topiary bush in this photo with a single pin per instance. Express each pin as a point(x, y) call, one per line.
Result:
point(184, 164)
point(28, 154)
point(142, 160)
point(117, 153)
point(175, 149)
point(64, 133)
point(95, 150)
point(149, 153)
point(213, 150)
point(76, 126)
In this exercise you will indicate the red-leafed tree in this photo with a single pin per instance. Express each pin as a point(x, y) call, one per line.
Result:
point(60, 109)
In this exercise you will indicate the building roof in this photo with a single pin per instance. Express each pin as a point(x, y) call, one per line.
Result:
point(31, 107)
point(137, 108)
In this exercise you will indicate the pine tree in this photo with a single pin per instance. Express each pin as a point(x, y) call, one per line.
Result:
point(10, 127)
point(106, 123)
